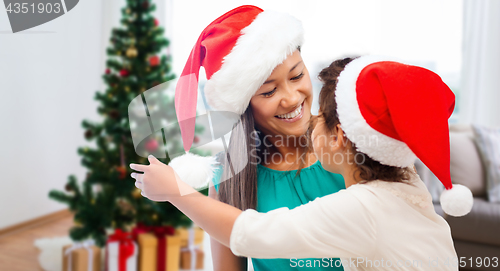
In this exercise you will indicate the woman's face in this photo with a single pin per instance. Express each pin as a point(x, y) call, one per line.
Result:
point(282, 105)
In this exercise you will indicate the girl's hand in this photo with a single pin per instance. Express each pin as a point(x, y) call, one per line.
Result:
point(159, 182)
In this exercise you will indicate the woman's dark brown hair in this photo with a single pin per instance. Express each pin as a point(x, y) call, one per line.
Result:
point(367, 168)
point(238, 183)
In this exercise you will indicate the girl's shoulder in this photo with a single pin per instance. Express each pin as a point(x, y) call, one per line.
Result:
point(413, 190)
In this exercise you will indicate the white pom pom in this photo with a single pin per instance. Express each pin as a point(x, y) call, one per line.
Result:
point(194, 170)
point(457, 201)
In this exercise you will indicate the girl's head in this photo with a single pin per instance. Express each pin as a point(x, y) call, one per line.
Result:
point(378, 115)
point(332, 147)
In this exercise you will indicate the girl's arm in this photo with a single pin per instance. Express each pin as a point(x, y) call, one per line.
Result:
point(160, 182)
point(337, 225)
point(213, 216)
point(222, 257)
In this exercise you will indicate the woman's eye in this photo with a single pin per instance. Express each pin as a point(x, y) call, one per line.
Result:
point(270, 93)
point(298, 76)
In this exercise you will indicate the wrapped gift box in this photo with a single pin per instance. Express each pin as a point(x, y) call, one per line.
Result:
point(184, 234)
point(191, 253)
point(121, 252)
point(187, 261)
point(159, 248)
point(81, 257)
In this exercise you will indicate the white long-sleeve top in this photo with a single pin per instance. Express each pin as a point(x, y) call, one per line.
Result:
point(373, 226)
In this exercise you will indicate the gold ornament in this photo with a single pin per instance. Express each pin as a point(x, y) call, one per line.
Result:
point(148, 69)
point(110, 95)
point(136, 193)
point(154, 216)
point(128, 11)
point(127, 89)
point(132, 17)
point(131, 52)
point(129, 227)
point(125, 206)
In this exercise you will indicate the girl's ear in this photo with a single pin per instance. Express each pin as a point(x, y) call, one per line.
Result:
point(340, 135)
point(335, 139)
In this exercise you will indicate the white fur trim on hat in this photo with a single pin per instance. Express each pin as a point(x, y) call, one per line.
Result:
point(382, 148)
point(263, 45)
point(195, 170)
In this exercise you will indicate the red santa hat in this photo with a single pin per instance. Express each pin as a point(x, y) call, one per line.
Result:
point(239, 51)
point(394, 113)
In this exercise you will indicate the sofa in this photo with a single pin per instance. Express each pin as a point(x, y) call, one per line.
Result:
point(476, 235)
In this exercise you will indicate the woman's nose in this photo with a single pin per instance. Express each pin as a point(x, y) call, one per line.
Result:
point(291, 97)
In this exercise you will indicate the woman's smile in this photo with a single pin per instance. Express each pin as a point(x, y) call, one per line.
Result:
point(293, 115)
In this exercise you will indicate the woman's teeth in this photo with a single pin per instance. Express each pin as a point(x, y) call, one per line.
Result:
point(291, 115)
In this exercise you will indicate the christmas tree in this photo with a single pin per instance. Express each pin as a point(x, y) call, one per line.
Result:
point(107, 198)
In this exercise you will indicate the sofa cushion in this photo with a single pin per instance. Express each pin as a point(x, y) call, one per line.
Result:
point(466, 167)
point(488, 144)
point(481, 225)
point(462, 128)
point(465, 163)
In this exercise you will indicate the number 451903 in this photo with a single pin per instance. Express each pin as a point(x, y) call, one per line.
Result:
point(40, 8)
point(475, 262)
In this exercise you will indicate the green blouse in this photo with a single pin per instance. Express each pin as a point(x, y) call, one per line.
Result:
point(277, 189)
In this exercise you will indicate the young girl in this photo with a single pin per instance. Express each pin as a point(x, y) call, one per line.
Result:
point(375, 117)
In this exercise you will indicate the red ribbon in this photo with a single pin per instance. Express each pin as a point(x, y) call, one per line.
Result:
point(161, 233)
point(126, 247)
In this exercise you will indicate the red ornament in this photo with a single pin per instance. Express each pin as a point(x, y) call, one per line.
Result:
point(107, 71)
point(154, 61)
point(124, 73)
point(196, 139)
point(156, 22)
point(151, 145)
point(122, 172)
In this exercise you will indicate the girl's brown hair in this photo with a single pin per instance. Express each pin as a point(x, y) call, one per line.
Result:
point(367, 168)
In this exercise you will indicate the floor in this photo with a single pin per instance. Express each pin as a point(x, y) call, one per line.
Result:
point(17, 252)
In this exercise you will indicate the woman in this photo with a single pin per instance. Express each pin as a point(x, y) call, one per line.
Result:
point(254, 69)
